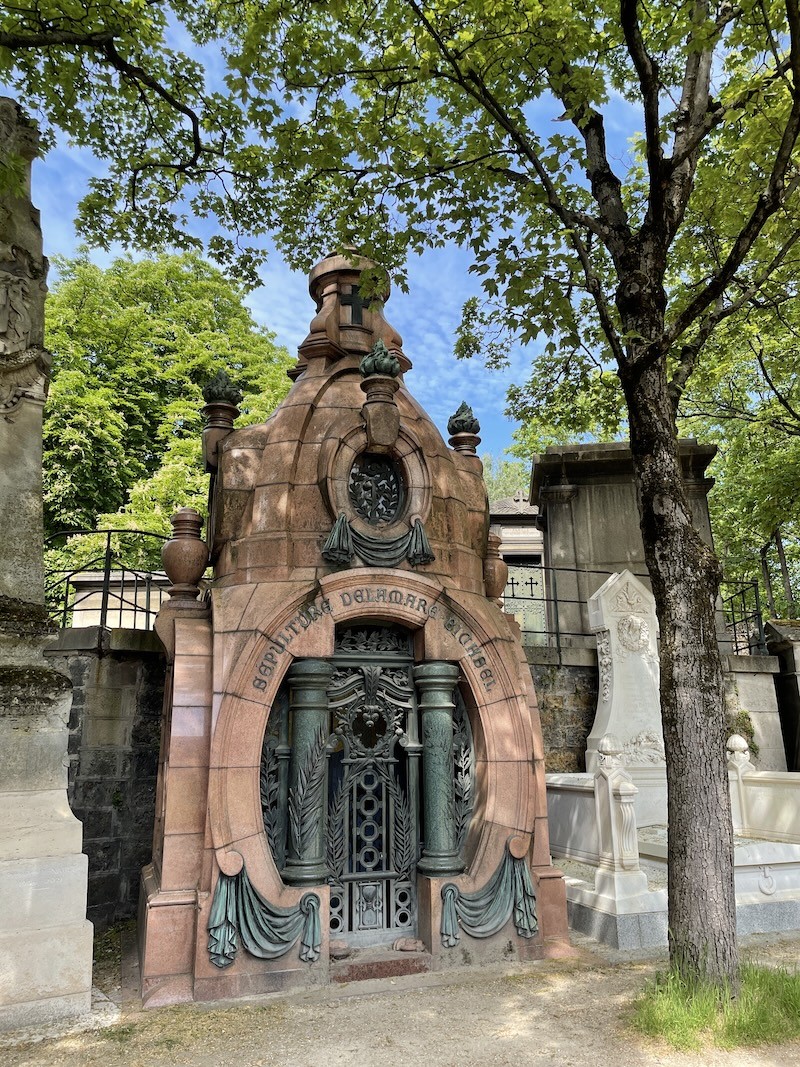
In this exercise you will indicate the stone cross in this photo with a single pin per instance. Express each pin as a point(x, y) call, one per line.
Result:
point(353, 300)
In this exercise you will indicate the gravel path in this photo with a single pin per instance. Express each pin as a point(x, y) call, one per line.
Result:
point(565, 1013)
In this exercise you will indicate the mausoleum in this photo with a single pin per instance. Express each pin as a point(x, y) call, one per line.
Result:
point(352, 778)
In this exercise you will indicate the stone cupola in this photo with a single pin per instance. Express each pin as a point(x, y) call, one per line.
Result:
point(348, 446)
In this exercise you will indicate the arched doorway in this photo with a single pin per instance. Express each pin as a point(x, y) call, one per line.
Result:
point(366, 761)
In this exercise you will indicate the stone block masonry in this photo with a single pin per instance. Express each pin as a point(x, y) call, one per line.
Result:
point(45, 940)
point(114, 729)
point(567, 695)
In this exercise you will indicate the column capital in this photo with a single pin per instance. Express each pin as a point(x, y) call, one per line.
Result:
point(437, 674)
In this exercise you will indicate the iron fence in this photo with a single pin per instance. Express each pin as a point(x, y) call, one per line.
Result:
point(107, 589)
point(550, 604)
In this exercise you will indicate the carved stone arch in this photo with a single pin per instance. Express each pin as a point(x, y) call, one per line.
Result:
point(448, 627)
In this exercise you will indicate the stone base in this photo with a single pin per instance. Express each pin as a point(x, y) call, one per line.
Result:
point(616, 907)
point(45, 974)
point(767, 875)
point(775, 916)
point(645, 930)
point(39, 1013)
point(167, 922)
point(649, 929)
point(45, 940)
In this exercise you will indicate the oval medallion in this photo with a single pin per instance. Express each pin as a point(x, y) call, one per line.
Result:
point(376, 489)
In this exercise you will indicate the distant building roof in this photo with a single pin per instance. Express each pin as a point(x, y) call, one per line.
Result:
point(516, 505)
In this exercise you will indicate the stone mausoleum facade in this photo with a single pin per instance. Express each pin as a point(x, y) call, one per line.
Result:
point(352, 777)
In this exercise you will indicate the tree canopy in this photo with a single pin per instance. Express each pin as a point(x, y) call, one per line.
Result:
point(133, 344)
point(505, 477)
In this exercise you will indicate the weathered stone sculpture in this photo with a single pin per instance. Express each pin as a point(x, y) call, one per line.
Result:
point(45, 940)
point(352, 755)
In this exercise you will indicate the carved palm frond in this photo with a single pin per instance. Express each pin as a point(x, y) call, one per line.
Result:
point(404, 843)
point(269, 787)
point(464, 792)
point(336, 837)
point(305, 799)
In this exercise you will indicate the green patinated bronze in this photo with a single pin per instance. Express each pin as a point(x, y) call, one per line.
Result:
point(357, 306)
point(238, 912)
point(380, 361)
point(376, 488)
point(463, 421)
point(308, 700)
point(436, 682)
point(463, 771)
point(481, 914)
point(343, 541)
point(221, 390)
point(274, 778)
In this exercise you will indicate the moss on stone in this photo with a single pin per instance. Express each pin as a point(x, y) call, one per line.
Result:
point(23, 618)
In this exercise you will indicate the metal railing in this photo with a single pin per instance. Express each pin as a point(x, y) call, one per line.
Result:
point(744, 621)
point(550, 614)
point(106, 589)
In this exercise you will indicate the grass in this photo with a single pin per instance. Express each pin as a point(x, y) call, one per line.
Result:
point(689, 1016)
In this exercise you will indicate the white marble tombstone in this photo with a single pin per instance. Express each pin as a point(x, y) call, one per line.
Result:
point(622, 613)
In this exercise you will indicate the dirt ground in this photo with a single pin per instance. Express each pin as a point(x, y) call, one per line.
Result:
point(565, 1013)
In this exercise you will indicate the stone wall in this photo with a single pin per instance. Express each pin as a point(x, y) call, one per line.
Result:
point(567, 696)
point(750, 686)
point(114, 731)
point(566, 690)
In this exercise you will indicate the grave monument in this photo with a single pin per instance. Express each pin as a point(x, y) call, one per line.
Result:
point(352, 779)
point(45, 940)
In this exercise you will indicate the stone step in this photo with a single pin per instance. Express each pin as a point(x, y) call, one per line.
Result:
point(380, 962)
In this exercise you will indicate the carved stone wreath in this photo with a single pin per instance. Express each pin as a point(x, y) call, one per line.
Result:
point(633, 633)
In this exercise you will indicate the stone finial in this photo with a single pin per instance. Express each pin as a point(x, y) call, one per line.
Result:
point(221, 389)
point(346, 322)
point(610, 751)
point(738, 754)
point(463, 428)
point(380, 361)
point(185, 555)
point(380, 369)
point(184, 558)
point(463, 421)
point(222, 397)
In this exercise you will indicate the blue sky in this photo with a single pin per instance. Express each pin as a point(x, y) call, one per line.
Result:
point(426, 316)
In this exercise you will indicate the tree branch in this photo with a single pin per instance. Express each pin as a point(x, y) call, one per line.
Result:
point(56, 38)
point(768, 202)
point(758, 352)
point(716, 112)
point(647, 70)
point(472, 83)
point(139, 76)
point(693, 112)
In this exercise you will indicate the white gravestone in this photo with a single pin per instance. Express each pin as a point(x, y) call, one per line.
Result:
point(622, 613)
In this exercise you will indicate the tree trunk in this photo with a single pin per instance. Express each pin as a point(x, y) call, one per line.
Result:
point(685, 577)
